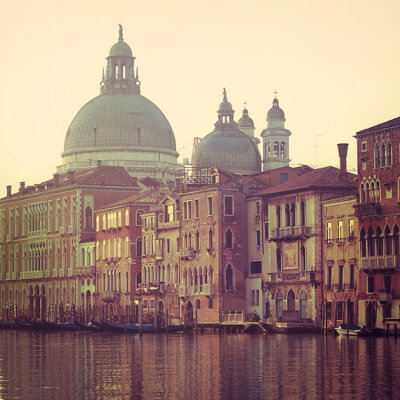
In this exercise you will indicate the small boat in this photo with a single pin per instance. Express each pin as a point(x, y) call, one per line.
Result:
point(126, 328)
point(59, 326)
point(350, 330)
point(91, 326)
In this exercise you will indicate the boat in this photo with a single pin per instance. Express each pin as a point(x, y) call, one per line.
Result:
point(350, 330)
point(126, 328)
point(91, 326)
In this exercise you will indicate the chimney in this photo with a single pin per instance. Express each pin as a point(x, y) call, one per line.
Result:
point(56, 178)
point(9, 191)
point(22, 187)
point(342, 147)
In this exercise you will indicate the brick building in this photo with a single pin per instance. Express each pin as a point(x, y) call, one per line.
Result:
point(379, 221)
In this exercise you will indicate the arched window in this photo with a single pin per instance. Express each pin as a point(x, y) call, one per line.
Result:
point(198, 304)
point(283, 149)
point(276, 149)
point(190, 240)
point(88, 217)
point(176, 274)
point(383, 155)
point(371, 242)
point(378, 192)
point(367, 194)
point(377, 156)
point(119, 220)
point(388, 242)
point(190, 278)
point(268, 149)
point(139, 217)
point(287, 215)
point(293, 214)
point(139, 247)
point(389, 154)
point(363, 243)
point(83, 257)
point(278, 217)
point(379, 241)
point(396, 244)
point(97, 223)
point(228, 239)
point(211, 276)
point(210, 239)
point(197, 240)
point(362, 194)
point(291, 301)
point(196, 280)
point(126, 217)
point(278, 260)
point(372, 193)
point(302, 213)
point(201, 279)
point(229, 277)
point(185, 278)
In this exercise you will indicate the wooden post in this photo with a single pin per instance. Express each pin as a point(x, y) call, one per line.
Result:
point(140, 316)
point(195, 320)
point(395, 330)
point(348, 316)
point(166, 320)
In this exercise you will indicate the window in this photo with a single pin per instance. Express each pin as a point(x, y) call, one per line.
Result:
point(257, 208)
point(168, 213)
point(228, 239)
point(278, 260)
point(266, 230)
point(351, 229)
point(255, 298)
point(302, 213)
point(196, 208)
point(197, 239)
point(377, 156)
point(329, 239)
point(189, 209)
point(293, 214)
point(210, 239)
point(287, 215)
point(97, 223)
point(278, 217)
point(340, 277)
point(276, 149)
point(371, 284)
point(329, 278)
point(363, 146)
point(303, 258)
point(363, 165)
point(185, 213)
point(127, 217)
point(258, 238)
point(255, 267)
point(210, 205)
point(328, 310)
point(387, 283)
point(88, 217)
point(283, 177)
point(139, 247)
point(351, 278)
point(340, 232)
point(389, 155)
point(283, 149)
point(339, 310)
point(168, 246)
point(228, 206)
point(138, 217)
point(229, 277)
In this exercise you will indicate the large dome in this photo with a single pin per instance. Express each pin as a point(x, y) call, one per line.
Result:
point(119, 121)
point(227, 147)
point(120, 126)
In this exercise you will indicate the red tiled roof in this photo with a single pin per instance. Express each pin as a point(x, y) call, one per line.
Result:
point(321, 178)
point(393, 123)
point(107, 176)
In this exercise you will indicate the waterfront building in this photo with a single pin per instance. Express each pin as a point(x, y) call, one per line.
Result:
point(275, 139)
point(47, 236)
point(378, 212)
point(120, 126)
point(293, 251)
point(340, 260)
point(227, 147)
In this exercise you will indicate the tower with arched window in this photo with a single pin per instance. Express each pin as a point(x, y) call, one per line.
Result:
point(275, 139)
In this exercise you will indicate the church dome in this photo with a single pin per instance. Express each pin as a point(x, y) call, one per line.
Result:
point(227, 147)
point(275, 113)
point(119, 121)
point(245, 121)
point(120, 126)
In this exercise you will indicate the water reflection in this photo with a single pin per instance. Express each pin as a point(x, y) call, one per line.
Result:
point(79, 365)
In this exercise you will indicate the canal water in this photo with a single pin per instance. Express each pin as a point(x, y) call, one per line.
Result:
point(81, 365)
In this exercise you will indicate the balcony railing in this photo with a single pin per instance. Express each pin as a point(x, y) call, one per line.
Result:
point(186, 253)
point(110, 295)
point(368, 209)
point(233, 317)
point(380, 263)
point(290, 232)
point(85, 270)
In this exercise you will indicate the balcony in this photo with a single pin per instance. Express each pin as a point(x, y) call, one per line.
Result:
point(110, 296)
point(183, 291)
point(85, 270)
point(367, 210)
point(290, 232)
point(186, 253)
point(168, 225)
point(34, 274)
point(384, 295)
point(207, 290)
point(150, 288)
point(380, 263)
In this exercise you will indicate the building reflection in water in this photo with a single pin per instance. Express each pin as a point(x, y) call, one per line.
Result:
point(105, 366)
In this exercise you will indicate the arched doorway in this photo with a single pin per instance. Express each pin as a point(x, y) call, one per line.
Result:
point(188, 318)
point(291, 301)
point(303, 305)
point(279, 304)
point(370, 315)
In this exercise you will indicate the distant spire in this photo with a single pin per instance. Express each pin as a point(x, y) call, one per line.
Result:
point(275, 93)
point(137, 73)
point(225, 97)
point(120, 37)
point(103, 74)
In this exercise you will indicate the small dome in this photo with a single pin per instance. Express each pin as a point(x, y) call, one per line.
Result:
point(225, 106)
point(120, 49)
point(245, 121)
point(275, 113)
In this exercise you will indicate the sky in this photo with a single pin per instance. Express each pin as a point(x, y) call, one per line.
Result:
point(334, 64)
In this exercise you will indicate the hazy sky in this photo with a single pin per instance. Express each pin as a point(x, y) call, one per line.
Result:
point(335, 65)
